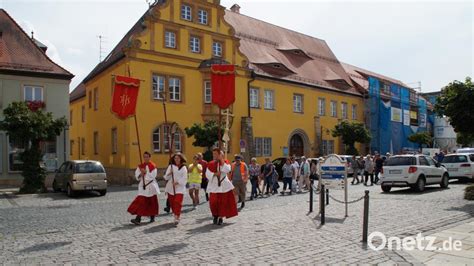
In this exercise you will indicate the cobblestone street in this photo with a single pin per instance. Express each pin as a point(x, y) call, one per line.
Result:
point(52, 228)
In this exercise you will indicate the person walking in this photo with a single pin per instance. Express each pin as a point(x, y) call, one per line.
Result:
point(369, 170)
point(239, 176)
point(221, 196)
point(356, 168)
point(254, 171)
point(268, 170)
point(146, 203)
point(304, 175)
point(204, 181)
point(177, 177)
point(288, 176)
point(296, 167)
point(378, 167)
point(195, 180)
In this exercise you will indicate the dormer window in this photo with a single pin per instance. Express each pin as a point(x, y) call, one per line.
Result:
point(186, 12)
point(276, 66)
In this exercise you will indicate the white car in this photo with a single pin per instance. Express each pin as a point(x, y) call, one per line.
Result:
point(413, 171)
point(460, 165)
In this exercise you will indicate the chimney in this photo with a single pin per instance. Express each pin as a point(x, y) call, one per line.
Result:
point(235, 8)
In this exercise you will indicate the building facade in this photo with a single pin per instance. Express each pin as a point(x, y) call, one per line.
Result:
point(27, 74)
point(290, 89)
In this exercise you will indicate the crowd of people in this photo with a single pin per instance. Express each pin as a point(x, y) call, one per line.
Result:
point(368, 168)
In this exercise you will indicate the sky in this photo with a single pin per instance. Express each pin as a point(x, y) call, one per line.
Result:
point(427, 43)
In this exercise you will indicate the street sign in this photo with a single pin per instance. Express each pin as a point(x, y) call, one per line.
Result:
point(243, 144)
point(333, 172)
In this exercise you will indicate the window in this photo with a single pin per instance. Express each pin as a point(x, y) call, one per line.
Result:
point(217, 49)
point(202, 17)
point(167, 138)
point(71, 147)
point(195, 44)
point(70, 118)
point(156, 140)
point(114, 141)
point(423, 161)
point(83, 146)
point(254, 98)
point(170, 39)
point(344, 110)
point(258, 147)
point(333, 108)
point(207, 92)
point(96, 99)
point(49, 155)
point(186, 12)
point(263, 147)
point(321, 106)
point(33, 93)
point(354, 112)
point(385, 88)
point(96, 142)
point(83, 114)
point(268, 100)
point(90, 99)
point(328, 147)
point(297, 103)
point(158, 87)
point(177, 141)
point(15, 148)
point(175, 89)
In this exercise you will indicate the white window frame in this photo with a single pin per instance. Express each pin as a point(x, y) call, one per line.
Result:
point(195, 44)
point(203, 17)
point(217, 49)
point(156, 133)
point(269, 99)
point(267, 147)
point(186, 12)
point(321, 106)
point(297, 103)
point(170, 39)
point(333, 108)
point(34, 91)
point(344, 110)
point(207, 92)
point(166, 138)
point(178, 147)
point(254, 97)
point(174, 87)
point(354, 112)
point(258, 147)
point(158, 86)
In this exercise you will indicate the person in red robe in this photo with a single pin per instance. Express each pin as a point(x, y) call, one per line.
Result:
point(177, 177)
point(146, 203)
point(221, 191)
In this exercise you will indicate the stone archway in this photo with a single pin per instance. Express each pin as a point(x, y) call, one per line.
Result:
point(298, 143)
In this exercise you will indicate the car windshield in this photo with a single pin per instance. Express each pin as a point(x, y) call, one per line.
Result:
point(455, 159)
point(394, 161)
point(89, 167)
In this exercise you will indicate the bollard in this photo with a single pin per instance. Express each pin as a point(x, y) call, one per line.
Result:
point(311, 196)
point(327, 196)
point(365, 225)
point(322, 206)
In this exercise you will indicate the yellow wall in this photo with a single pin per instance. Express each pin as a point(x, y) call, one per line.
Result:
point(147, 56)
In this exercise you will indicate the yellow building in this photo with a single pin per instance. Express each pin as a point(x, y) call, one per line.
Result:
point(290, 88)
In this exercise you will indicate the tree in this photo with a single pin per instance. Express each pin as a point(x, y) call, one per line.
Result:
point(31, 126)
point(204, 136)
point(465, 139)
point(457, 102)
point(351, 132)
point(421, 138)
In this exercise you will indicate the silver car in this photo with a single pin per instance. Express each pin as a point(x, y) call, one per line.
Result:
point(74, 176)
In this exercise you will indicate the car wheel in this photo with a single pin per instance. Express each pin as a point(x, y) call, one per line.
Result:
point(444, 181)
point(103, 192)
point(55, 187)
point(420, 184)
point(386, 188)
point(70, 193)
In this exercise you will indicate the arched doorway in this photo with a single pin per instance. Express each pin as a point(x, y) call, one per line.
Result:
point(296, 145)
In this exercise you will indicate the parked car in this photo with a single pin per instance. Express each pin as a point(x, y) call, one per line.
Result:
point(348, 160)
point(415, 171)
point(74, 176)
point(460, 165)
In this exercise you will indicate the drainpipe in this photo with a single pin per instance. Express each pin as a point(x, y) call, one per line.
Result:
point(252, 78)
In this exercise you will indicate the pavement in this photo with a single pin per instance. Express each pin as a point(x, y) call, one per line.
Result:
point(53, 229)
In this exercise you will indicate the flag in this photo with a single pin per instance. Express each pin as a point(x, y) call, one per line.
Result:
point(223, 85)
point(124, 100)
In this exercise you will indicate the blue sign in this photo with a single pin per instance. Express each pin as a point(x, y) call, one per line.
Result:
point(332, 176)
point(333, 168)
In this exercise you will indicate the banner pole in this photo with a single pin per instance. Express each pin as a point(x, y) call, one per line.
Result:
point(170, 141)
point(219, 133)
point(139, 148)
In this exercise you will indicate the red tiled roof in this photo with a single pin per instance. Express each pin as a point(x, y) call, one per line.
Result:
point(359, 75)
point(308, 60)
point(20, 55)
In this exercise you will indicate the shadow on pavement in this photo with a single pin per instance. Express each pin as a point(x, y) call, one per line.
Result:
point(123, 227)
point(467, 208)
point(45, 246)
point(159, 228)
point(409, 191)
point(166, 250)
point(207, 228)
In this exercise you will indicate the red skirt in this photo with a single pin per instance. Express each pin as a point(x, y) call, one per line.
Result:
point(176, 203)
point(223, 204)
point(144, 206)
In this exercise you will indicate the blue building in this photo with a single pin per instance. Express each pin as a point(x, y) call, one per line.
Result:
point(393, 111)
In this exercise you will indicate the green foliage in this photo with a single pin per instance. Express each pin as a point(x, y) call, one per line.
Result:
point(469, 192)
point(465, 139)
point(351, 132)
point(457, 102)
point(421, 138)
point(31, 127)
point(204, 135)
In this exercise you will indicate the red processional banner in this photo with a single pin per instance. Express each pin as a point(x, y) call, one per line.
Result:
point(124, 100)
point(223, 85)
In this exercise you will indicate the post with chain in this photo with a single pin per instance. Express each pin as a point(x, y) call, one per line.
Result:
point(365, 225)
point(311, 196)
point(327, 196)
point(322, 205)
